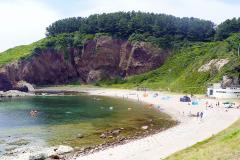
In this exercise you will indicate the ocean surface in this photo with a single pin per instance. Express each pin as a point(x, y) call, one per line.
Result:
point(61, 119)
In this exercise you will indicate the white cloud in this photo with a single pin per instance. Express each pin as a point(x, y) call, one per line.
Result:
point(23, 22)
point(214, 10)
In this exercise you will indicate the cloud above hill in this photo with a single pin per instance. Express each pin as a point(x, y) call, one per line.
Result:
point(24, 21)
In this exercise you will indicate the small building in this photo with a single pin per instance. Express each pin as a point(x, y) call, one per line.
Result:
point(217, 91)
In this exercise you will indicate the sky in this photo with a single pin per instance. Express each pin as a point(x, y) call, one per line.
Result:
point(25, 21)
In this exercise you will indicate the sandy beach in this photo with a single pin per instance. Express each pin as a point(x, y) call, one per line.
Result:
point(190, 130)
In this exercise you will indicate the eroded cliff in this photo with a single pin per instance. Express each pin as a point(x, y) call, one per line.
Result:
point(99, 58)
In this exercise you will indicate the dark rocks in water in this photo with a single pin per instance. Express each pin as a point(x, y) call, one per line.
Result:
point(10, 149)
point(54, 157)
point(40, 156)
point(103, 135)
point(116, 132)
point(111, 134)
point(80, 135)
point(144, 127)
point(20, 142)
point(2, 141)
point(100, 58)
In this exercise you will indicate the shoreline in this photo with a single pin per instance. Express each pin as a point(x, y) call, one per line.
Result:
point(161, 145)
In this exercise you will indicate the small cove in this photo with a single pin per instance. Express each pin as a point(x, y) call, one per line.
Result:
point(61, 119)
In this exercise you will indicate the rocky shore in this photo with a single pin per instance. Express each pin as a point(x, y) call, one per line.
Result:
point(38, 153)
point(15, 93)
point(117, 139)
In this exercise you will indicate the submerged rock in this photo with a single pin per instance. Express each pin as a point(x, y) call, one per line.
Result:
point(51, 152)
point(2, 141)
point(80, 135)
point(38, 156)
point(144, 127)
point(55, 157)
point(20, 142)
point(116, 132)
point(64, 149)
point(103, 135)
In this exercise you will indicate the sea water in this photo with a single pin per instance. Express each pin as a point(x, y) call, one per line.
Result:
point(60, 119)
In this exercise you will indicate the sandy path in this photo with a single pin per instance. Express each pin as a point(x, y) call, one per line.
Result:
point(190, 131)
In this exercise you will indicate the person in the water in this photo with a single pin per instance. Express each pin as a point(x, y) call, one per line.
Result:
point(33, 113)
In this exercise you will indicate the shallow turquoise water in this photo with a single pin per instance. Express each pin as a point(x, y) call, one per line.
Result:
point(61, 118)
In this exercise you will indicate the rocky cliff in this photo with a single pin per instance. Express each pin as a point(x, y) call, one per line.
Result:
point(99, 58)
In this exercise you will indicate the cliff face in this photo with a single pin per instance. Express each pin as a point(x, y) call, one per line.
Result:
point(101, 58)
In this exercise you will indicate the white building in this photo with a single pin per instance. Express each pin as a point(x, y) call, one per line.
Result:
point(216, 91)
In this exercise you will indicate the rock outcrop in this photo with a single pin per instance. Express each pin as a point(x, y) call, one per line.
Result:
point(99, 58)
point(216, 64)
point(229, 81)
point(24, 87)
point(5, 83)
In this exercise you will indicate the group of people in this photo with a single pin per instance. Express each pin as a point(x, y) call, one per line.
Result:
point(200, 114)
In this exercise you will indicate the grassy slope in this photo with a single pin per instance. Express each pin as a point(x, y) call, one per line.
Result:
point(179, 73)
point(59, 42)
point(15, 53)
point(223, 146)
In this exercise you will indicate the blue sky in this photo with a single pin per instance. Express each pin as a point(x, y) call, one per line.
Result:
point(24, 21)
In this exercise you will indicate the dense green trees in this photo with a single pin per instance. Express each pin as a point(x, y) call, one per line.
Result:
point(227, 27)
point(166, 28)
point(67, 25)
point(161, 29)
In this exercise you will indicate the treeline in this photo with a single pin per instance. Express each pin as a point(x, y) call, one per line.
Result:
point(226, 28)
point(164, 30)
point(125, 24)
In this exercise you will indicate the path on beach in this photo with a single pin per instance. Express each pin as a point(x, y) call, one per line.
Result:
point(190, 131)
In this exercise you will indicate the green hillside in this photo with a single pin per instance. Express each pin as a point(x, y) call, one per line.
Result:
point(193, 43)
point(223, 146)
point(15, 53)
point(58, 42)
point(180, 72)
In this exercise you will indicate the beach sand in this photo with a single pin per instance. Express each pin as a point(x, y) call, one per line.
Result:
point(158, 146)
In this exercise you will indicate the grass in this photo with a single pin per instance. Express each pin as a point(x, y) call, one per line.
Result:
point(15, 53)
point(59, 42)
point(180, 72)
point(223, 146)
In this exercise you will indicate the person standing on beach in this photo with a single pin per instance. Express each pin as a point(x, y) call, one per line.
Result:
point(197, 114)
point(201, 115)
point(206, 104)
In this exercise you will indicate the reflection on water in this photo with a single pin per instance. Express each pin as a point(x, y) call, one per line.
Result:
point(61, 118)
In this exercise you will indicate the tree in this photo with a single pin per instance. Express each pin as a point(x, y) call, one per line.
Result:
point(226, 28)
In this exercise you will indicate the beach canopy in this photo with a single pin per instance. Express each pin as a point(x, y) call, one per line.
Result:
point(228, 102)
point(194, 103)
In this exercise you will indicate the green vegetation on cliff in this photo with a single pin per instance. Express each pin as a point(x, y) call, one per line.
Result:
point(223, 146)
point(59, 42)
point(15, 53)
point(180, 72)
point(190, 40)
